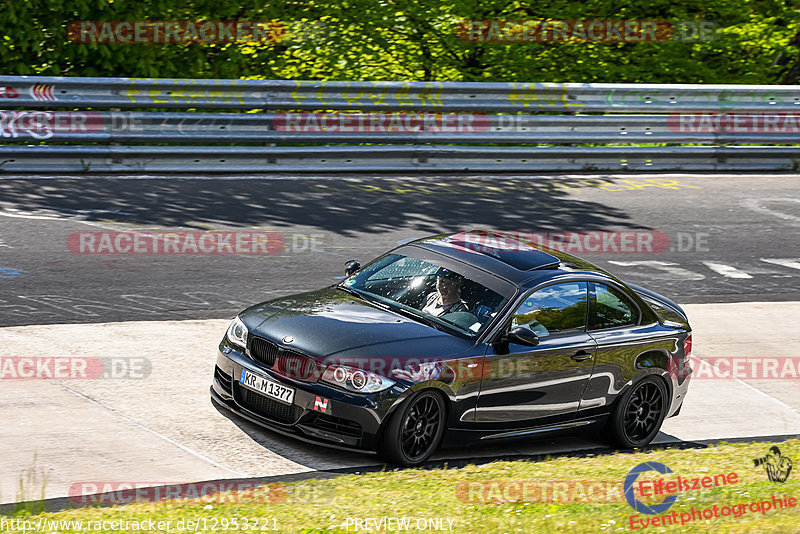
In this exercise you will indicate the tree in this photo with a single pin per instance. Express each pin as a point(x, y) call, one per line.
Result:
point(410, 40)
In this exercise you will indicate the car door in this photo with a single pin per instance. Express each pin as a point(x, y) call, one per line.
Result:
point(527, 386)
point(615, 323)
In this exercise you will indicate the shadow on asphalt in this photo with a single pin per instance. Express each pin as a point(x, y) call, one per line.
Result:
point(351, 217)
point(345, 206)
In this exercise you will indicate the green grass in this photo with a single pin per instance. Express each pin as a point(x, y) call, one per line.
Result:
point(325, 505)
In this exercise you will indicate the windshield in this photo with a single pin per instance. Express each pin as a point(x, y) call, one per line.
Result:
point(428, 292)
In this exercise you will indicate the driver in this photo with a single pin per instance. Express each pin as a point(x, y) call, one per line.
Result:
point(447, 297)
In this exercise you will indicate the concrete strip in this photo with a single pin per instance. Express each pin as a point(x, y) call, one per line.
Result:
point(53, 440)
point(147, 430)
point(162, 428)
point(728, 407)
point(753, 329)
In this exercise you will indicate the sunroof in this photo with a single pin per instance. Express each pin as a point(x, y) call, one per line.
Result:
point(506, 248)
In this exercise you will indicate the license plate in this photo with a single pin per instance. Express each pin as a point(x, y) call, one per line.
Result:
point(267, 387)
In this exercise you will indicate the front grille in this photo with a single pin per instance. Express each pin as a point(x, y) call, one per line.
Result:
point(296, 366)
point(286, 362)
point(224, 379)
point(270, 408)
point(263, 351)
point(337, 425)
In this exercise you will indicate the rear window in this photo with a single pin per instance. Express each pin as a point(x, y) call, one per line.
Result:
point(664, 312)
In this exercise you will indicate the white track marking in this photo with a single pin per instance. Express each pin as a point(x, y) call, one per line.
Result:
point(792, 263)
point(27, 216)
point(755, 204)
point(674, 271)
point(86, 212)
point(726, 270)
point(154, 432)
point(45, 218)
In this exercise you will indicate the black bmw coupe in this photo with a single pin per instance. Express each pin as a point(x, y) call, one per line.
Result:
point(454, 339)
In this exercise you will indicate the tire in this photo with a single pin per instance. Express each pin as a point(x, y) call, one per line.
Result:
point(638, 416)
point(414, 430)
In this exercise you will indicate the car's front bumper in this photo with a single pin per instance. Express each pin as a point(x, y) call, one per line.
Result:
point(320, 413)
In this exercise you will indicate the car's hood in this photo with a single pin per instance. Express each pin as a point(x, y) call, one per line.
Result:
point(331, 323)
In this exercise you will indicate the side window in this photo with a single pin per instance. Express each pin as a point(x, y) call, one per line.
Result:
point(610, 308)
point(554, 310)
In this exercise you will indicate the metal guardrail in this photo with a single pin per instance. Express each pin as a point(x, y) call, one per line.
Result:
point(177, 127)
point(351, 159)
point(63, 92)
point(392, 126)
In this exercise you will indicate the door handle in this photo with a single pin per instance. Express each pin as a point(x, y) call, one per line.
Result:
point(581, 356)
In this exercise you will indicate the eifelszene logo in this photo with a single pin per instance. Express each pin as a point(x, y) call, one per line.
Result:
point(776, 465)
point(630, 496)
point(667, 487)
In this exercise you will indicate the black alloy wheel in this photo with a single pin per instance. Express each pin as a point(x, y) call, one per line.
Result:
point(639, 413)
point(415, 430)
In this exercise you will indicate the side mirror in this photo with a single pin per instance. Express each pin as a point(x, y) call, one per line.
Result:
point(522, 335)
point(351, 267)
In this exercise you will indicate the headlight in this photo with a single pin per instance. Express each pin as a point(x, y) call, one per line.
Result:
point(237, 333)
point(357, 380)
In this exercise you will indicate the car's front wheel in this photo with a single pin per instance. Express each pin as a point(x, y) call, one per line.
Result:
point(415, 429)
point(639, 413)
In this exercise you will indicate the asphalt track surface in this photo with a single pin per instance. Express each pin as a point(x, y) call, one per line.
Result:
point(732, 238)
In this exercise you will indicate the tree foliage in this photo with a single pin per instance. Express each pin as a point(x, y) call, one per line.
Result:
point(758, 41)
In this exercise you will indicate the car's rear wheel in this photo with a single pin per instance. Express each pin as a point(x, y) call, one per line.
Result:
point(639, 413)
point(415, 429)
